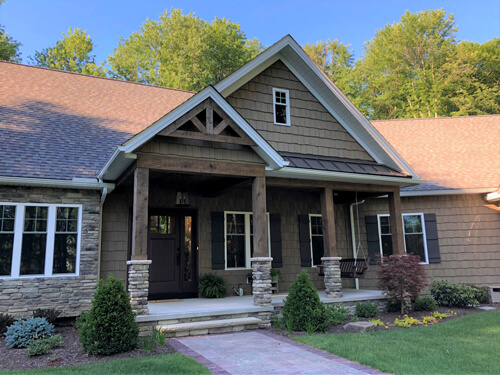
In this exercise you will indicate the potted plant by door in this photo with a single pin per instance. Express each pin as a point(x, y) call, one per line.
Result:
point(275, 274)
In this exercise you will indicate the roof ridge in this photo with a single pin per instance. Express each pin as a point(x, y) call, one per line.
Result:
point(96, 77)
point(436, 118)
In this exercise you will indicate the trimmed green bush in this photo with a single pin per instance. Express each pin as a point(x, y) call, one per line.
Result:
point(338, 313)
point(5, 321)
point(454, 295)
point(44, 346)
point(303, 309)
point(393, 305)
point(366, 310)
point(22, 332)
point(425, 304)
point(212, 286)
point(482, 294)
point(49, 314)
point(109, 327)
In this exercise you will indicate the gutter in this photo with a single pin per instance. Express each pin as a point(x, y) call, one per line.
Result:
point(99, 246)
point(423, 193)
point(75, 183)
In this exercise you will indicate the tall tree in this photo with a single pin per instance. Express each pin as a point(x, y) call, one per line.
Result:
point(9, 48)
point(182, 51)
point(73, 53)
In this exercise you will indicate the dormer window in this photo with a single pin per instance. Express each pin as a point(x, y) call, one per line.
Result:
point(281, 104)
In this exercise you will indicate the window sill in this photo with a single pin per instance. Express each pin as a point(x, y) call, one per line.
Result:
point(277, 123)
point(27, 277)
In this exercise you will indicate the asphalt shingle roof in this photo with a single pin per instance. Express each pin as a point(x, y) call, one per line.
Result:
point(449, 153)
point(61, 125)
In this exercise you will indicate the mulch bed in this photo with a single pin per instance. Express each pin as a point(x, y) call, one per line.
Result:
point(390, 317)
point(70, 354)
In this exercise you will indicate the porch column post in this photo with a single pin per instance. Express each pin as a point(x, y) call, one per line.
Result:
point(398, 244)
point(138, 266)
point(261, 261)
point(330, 259)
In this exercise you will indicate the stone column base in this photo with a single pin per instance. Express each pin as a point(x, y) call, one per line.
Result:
point(138, 285)
point(261, 284)
point(333, 282)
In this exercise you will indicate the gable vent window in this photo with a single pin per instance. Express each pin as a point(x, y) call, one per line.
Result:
point(281, 104)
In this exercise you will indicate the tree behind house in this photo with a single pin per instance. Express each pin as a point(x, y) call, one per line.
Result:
point(9, 48)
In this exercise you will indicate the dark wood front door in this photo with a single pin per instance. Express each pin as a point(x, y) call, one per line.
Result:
point(172, 250)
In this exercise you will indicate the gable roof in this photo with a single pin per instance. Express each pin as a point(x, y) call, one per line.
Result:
point(449, 153)
point(61, 125)
point(300, 64)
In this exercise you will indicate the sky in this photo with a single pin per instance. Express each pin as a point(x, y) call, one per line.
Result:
point(38, 24)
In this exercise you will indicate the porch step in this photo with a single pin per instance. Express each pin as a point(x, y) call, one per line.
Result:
point(210, 326)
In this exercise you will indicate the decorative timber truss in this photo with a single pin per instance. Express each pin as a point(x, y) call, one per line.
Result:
point(208, 122)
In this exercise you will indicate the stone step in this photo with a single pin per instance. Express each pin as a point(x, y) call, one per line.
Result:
point(210, 326)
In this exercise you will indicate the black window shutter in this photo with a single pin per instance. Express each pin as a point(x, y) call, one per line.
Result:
point(275, 229)
point(305, 241)
point(218, 240)
point(372, 238)
point(432, 238)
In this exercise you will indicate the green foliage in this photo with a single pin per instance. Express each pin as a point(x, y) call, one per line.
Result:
point(110, 325)
point(275, 273)
point(81, 321)
point(454, 295)
point(157, 337)
point(402, 276)
point(5, 321)
point(393, 305)
point(366, 310)
point(302, 308)
point(277, 322)
point(49, 314)
point(182, 51)
point(9, 48)
point(73, 53)
point(212, 286)
point(22, 332)
point(482, 294)
point(44, 345)
point(338, 313)
point(425, 304)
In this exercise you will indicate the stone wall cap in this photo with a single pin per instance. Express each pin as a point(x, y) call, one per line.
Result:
point(261, 259)
point(331, 258)
point(131, 262)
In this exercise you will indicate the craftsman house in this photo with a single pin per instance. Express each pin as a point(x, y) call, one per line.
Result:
point(271, 167)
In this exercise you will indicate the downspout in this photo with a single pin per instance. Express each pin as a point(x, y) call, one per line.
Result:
point(353, 234)
point(103, 198)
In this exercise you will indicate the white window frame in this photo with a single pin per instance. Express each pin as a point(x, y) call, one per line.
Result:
point(287, 95)
point(248, 238)
point(422, 218)
point(51, 232)
point(311, 235)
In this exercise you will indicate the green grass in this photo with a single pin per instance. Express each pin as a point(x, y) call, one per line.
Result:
point(468, 345)
point(162, 364)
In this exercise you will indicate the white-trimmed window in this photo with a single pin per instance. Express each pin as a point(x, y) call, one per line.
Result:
point(414, 235)
point(238, 233)
point(281, 107)
point(317, 244)
point(39, 240)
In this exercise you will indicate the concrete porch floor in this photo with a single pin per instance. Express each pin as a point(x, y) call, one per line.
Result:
point(196, 307)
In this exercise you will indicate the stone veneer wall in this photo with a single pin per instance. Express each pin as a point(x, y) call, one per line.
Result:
point(288, 203)
point(69, 294)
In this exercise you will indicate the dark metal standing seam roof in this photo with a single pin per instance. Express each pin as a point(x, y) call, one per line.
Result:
point(330, 164)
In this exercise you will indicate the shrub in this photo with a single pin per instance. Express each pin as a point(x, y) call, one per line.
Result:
point(425, 304)
point(338, 313)
point(5, 321)
point(393, 305)
point(402, 276)
point(212, 286)
point(453, 295)
point(482, 294)
point(366, 310)
point(22, 332)
point(109, 327)
point(275, 273)
point(43, 346)
point(303, 309)
point(49, 314)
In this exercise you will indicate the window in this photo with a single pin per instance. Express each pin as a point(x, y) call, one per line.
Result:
point(317, 244)
point(414, 235)
point(281, 104)
point(39, 240)
point(239, 239)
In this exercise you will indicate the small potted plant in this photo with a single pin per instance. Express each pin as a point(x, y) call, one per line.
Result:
point(275, 274)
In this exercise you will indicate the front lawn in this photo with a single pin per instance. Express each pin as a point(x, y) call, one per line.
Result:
point(467, 345)
point(163, 364)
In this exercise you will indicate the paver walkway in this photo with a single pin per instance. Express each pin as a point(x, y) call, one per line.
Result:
point(261, 352)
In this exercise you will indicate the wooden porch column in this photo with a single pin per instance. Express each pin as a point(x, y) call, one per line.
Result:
point(259, 217)
point(140, 214)
point(328, 217)
point(398, 244)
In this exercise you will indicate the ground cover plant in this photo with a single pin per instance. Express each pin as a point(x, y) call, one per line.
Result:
point(23, 332)
point(467, 345)
point(212, 286)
